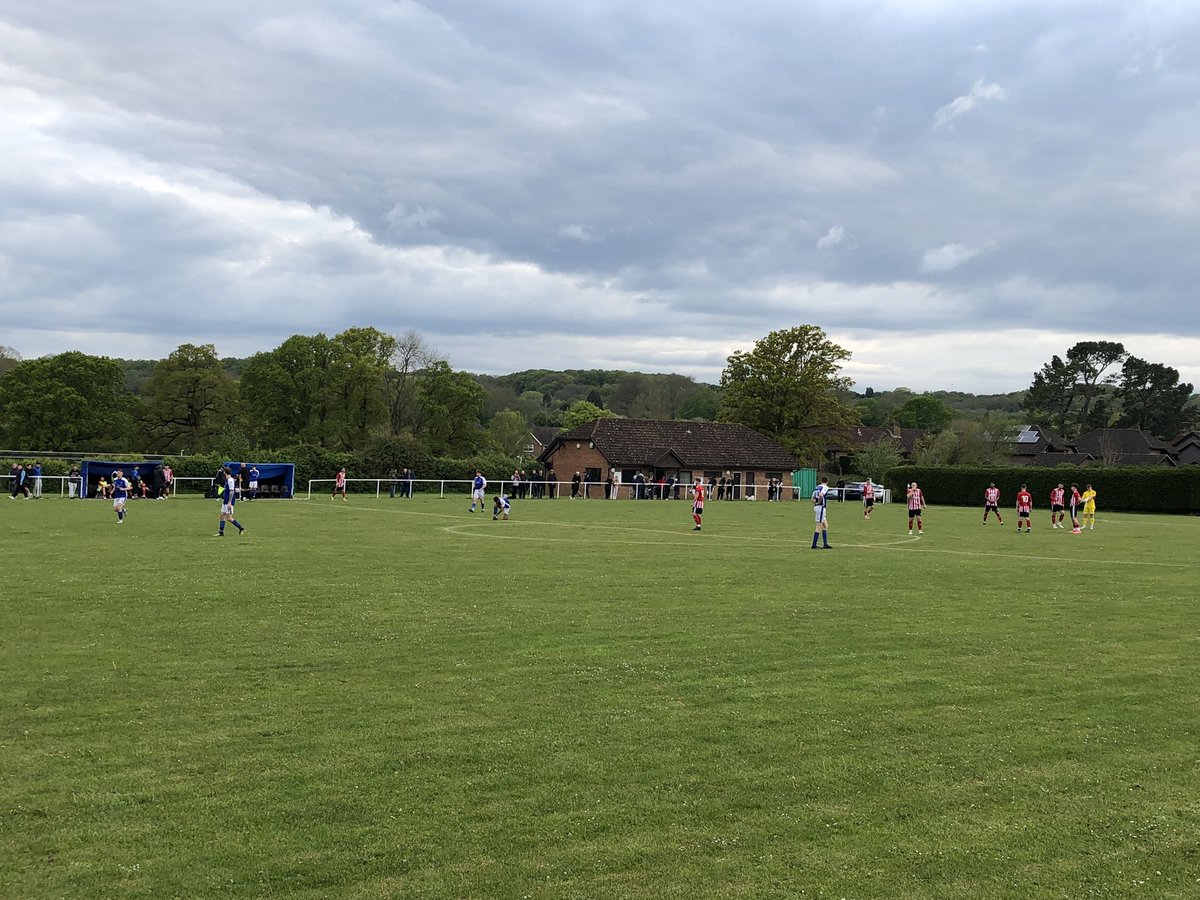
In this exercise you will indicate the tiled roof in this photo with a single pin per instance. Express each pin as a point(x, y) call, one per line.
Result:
point(699, 445)
point(1186, 439)
point(1139, 459)
point(1047, 440)
point(544, 434)
point(854, 436)
point(1120, 444)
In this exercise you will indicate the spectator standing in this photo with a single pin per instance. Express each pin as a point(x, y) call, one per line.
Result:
point(393, 482)
point(37, 481)
point(576, 481)
point(73, 478)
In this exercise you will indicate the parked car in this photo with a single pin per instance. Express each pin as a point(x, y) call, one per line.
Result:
point(854, 490)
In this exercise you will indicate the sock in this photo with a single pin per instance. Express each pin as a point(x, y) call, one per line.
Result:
point(816, 534)
point(825, 537)
point(237, 524)
point(221, 527)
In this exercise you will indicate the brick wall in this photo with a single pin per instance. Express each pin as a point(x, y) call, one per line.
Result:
point(571, 459)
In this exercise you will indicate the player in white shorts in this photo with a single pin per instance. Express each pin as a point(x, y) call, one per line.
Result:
point(478, 490)
point(228, 499)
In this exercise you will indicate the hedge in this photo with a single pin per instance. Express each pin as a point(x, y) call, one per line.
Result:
point(1124, 488)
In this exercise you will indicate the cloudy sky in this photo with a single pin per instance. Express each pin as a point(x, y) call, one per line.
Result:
point(954, 190)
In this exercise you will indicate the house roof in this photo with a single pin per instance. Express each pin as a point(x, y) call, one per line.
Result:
point(852, 437)
point(1144, 459)
point(1047, 441)
point(697, 445)
point(543, 434)
point(1120, 444)
point(1186, 439)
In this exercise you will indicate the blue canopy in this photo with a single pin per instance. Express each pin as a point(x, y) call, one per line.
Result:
point(92, 470)
point(270, 476)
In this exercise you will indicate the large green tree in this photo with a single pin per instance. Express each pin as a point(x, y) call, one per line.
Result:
point(875, 459)
point(1066, 393)
point(362, 363)
point(450, 403)
point(1152, 398)
point(411, 354)
point(327, 391)
point(71, 401)
point(789, 382)
point(584, 411)
point(284, 392)
point(700, 404)
point(509, 431)
point(925, 412)
point(188, 401)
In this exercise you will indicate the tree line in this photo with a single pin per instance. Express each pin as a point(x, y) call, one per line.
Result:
point(363, 386)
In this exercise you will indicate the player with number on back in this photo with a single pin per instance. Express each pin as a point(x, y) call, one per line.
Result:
point(698, 493)
point(1024, 509)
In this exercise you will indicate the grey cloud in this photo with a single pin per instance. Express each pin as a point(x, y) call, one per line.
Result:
point(594, 167)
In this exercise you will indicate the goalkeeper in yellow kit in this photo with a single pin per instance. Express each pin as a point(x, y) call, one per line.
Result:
point(1089, 507)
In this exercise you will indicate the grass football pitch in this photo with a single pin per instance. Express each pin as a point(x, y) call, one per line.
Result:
point(399, 698)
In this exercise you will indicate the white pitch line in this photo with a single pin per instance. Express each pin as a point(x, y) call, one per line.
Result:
point(1071, 559)
point(799, 543)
